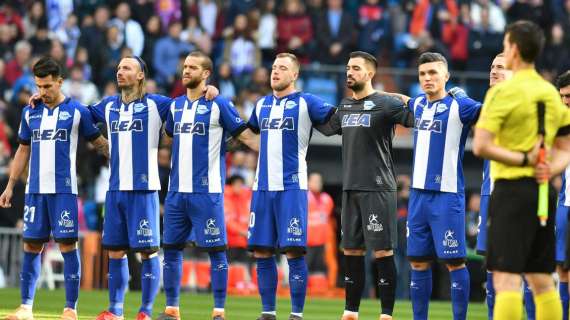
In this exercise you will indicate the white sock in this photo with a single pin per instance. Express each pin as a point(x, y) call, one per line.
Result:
point(350, 313)
point(273, 313)
point(297, 314)
point(219, 309)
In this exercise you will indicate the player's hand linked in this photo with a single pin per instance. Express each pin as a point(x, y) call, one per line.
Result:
point(533, 154)
point(211, 92)
point(542, 172)
point(457, 93)
point(34, 100)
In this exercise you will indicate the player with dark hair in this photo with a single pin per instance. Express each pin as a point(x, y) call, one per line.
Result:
point(507, 133)
point(436, 218)
point(48, 139)
point(197, 128)
point(366, 121)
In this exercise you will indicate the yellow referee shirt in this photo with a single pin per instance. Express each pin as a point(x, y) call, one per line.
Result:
point(510, 112)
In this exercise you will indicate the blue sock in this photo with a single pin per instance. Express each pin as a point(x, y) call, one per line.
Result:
point(564, 297)
point(490, 295)
point(297, 283)
point(528, 302)
point(72, 274)
point(31, 268)
point(420, 291)
point(267, 282)
point(172, 274)
point(219, 274)
point(150, 283)
point(460, 290)
point(118, 282)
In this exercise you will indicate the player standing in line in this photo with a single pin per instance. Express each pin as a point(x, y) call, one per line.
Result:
point(48, 138)
point(562, 213)
point(366, 121)
point(436, 219)
point(279, 205)
point(197, 129)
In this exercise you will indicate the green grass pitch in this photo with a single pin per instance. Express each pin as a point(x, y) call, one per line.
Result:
point(49, 305)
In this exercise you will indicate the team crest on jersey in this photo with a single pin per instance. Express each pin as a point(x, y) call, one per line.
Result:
point(198, 128)
point(449, 239)
point(144, 228)
point(49, 134)
point(290, 104)
point(373, 224)
point(287, 123)
point(65, 219)
point(201, 109)
point(211, 228)
point(64, 115)
point(138, 107)
point(127, 125)
point(368, 105)
point(440, 107)
point(294, 227)
point(356, 120)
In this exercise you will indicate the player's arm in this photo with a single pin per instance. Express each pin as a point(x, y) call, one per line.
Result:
point(485, 147)
point(332, 126)
point(400, 96)
point(398, 111)
point(250, 139)
point(101, 145)
point(560, 154)
point(17, 167)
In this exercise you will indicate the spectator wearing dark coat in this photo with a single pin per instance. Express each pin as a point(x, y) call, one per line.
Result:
point(335, 33)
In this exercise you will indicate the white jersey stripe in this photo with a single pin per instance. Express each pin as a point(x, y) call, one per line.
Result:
point(451, 151)
point(422, 148)
point(257, 113)
point(303, 133)
point(125, 142)
point(47, 147)
point(215, 141)
point(154, 124)
point(74, 137)
point(275, 150)
point(185, 162)
point(27, 116)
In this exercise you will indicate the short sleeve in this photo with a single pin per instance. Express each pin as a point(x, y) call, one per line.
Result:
point(87, 126)
point(169, 124)
point(398, 112)
point(469, 110)
point(496, 107)
point(253, 122)
point(25, 133)
point(98, 110)
point(319, 110)
point(229, 117)
point(163, 105)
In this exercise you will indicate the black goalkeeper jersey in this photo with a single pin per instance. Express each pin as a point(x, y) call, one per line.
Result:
point(367, 128)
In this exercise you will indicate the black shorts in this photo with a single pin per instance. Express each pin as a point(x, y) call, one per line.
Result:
point(368, 220)
point(316, 259)
point(516, 242)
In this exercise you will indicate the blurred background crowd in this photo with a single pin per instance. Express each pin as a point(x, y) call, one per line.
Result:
point(89, 37)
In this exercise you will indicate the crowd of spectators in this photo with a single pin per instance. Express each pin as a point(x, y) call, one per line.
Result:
point(89, 38)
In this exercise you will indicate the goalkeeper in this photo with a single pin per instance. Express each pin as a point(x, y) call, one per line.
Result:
point(507, 134)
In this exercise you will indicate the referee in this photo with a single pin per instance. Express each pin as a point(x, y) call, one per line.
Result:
point(507, 134)
point(366, 122)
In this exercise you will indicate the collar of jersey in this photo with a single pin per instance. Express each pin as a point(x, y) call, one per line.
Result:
point(287, 96)
point(121, 103)
point(50, 111)
point(191, 102)
point(431, 103)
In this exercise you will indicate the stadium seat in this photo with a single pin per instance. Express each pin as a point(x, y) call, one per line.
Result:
point(326, 88)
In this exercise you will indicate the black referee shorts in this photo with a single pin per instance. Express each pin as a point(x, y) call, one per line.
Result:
point(516, 243)
point(368, 220)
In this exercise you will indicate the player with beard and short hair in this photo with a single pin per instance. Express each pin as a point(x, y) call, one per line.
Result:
point(197, 129)
point(367, 121)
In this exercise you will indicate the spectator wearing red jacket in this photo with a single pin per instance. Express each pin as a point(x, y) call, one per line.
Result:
point(294, 30)
point(321, 233)
point(237, 198)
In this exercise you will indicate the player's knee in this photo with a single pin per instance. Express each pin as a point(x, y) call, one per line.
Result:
point(455, 264)
point(67, 247)
point(33, 247)
point(262, 254)
point(117, 254)
point(540, 282)
point(419, 266)
point(504, 281)
point(383, 253)
point(295, 252)
point(354, 252)
point(148, 254)
point(562, 273)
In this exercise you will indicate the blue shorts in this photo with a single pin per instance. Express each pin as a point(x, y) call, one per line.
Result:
point(131, 221)
point(278, 220)
point(436, 225)
point(54, 214)
point(197, 217)
point(560, 231)
point(482, 227)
